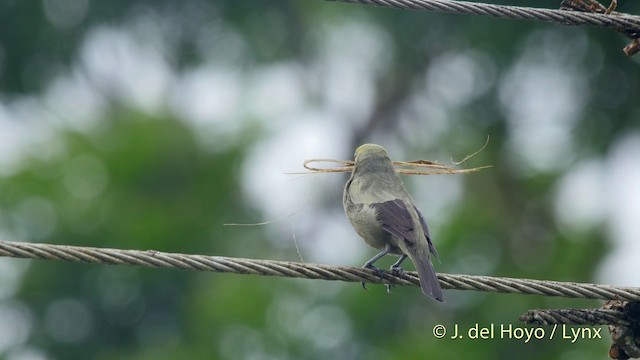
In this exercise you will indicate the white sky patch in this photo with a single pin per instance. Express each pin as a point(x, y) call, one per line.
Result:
point(10, 276)
point(25, 130)
point(423, 121)
point(541, 102)
point(133, 72)
point(332, 240)
point(209, 96)
point(12, 135)
point(432, 112)
point(621, 266)
point(220, 102)
point(274, 92)
point(16, 324)
point(350, 56)
point(306, 136)
point(455, 79)
point(347, 88)
point(542, 97)
point(580, 203)
point(74, 102)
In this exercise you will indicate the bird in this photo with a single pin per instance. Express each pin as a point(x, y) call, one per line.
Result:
point(382, 212)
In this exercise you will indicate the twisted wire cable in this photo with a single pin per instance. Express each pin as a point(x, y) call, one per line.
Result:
point(628, 24)
point(577, 317)
point(156, 259)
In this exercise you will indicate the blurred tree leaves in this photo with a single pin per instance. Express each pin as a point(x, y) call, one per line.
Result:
point(138, 182)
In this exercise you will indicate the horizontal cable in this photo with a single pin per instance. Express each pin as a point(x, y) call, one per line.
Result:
point(579, 13)
point(577, 317)
point(617, 21)
point(156, 259)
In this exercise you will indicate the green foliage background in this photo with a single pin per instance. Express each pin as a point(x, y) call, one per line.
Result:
point(141, 179)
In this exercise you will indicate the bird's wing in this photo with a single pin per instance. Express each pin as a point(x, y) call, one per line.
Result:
point(425, 228)
point(394, 218)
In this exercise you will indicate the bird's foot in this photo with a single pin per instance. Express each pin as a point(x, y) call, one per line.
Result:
point(395, 271)
point(378, 272)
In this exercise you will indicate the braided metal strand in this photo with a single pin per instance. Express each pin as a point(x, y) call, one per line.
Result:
point(575, 317)
point(156, 259)
point(628, 24)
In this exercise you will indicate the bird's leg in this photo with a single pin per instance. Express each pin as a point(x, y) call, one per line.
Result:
point(369, 264)
point(396, 270)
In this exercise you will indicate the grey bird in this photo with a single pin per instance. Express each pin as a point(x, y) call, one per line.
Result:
point(382, 212)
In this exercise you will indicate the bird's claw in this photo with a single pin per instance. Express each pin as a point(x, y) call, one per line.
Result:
point(396, 271)
point(378, 272)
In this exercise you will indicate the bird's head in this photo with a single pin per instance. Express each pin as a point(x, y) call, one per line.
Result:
point(370, 151)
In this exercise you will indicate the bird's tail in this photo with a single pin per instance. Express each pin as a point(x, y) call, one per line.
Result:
point(428, 280)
